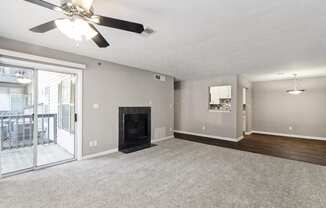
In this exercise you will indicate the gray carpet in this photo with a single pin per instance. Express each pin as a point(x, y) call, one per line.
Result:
point(175, 173)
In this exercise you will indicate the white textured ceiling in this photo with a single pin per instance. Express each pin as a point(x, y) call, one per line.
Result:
point(195, 38)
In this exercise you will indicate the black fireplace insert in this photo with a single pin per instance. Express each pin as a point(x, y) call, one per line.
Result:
point(134, 128)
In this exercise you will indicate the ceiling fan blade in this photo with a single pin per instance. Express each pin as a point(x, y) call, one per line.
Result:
point(117, 23)
point(46, 5)
point(99, 39)
point(44, 27)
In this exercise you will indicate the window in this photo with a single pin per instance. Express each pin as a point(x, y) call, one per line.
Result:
point(220, 98)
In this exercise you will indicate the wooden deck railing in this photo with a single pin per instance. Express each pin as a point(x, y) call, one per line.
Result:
point(17, 130)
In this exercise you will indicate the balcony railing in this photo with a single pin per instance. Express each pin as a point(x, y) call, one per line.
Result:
point(16, 131)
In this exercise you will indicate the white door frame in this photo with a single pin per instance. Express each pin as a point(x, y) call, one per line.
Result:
point(35, 117)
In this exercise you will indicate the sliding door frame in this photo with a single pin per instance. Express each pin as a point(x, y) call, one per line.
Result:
point(18, 62)
point(78, 105)
point(35, 117)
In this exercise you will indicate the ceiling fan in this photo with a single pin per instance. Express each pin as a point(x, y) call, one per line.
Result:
point(80, 21)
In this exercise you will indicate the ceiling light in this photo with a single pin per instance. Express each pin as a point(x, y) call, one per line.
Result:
point(295, 90)
point(76, 29)
point(23, 80)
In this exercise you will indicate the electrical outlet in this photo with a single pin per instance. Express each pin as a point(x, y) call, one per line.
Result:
point(203, 128)
point(92, 143)
point(290, 128)
point(96, 106)
point(171, 129)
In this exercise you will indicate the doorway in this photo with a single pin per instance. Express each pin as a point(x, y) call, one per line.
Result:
point(37, 118)
point(244, 111)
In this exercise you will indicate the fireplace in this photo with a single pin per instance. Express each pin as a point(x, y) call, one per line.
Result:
point(134, 128)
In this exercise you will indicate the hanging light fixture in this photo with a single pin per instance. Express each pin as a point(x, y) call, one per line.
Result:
point(295, 90)
point(22, 79)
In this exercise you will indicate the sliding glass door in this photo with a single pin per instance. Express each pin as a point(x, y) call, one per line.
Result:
point(35, 135)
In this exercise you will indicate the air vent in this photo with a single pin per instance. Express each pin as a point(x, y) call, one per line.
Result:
point(148, 32)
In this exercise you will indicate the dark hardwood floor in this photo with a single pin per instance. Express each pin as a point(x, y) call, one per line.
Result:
point(312, 151)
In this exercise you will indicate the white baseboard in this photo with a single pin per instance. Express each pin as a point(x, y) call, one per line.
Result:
point(290, 135)
point(248, 132)
point(100, 154)
point(163, 138)
point(210, 136)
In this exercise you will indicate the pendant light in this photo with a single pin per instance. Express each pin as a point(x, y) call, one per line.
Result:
point(22, 79)
point(295, 90)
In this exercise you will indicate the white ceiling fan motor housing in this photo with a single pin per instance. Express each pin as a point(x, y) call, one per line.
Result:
point(85, 4)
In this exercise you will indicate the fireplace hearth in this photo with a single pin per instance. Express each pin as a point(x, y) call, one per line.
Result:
point(134, 128)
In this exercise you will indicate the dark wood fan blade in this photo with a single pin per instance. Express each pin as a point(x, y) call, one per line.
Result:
point(44, 27)
point(117, 23)
point(46, 5)
point(99, 39)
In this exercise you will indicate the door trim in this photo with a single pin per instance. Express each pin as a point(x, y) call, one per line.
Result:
point(35, 117)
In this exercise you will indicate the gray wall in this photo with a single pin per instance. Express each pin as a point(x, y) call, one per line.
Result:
point(111, 86)
point(274, 110)
point(191, 108)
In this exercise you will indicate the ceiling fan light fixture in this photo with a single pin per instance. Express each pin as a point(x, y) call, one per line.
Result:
point(76, 29)
point(80, 22)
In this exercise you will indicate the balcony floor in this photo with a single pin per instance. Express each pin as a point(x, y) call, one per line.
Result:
point(22, 158)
